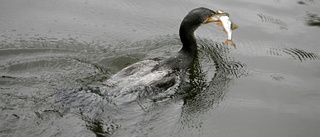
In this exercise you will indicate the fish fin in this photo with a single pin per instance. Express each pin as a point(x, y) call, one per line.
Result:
point(234, 26)
point(230, 42)
point(219, 24)
point(223, 30)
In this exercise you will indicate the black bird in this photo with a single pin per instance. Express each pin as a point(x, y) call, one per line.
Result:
point(153, 76)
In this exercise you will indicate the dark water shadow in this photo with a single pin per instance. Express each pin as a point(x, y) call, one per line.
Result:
point(206, 94)
point(84, 102)
point(306, 2)
point(312, 19)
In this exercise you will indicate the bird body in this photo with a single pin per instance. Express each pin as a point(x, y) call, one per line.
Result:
point(152, 76)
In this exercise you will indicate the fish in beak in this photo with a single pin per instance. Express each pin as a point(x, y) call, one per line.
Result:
point(227, 25)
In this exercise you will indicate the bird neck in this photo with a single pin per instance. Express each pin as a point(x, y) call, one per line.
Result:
point(188, 40)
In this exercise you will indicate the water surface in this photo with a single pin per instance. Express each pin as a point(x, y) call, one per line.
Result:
point(53, 55)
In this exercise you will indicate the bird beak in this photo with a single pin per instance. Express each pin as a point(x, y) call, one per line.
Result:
point(215, 17)
point(212, 18)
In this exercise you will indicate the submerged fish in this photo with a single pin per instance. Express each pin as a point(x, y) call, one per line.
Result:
point(228, 26)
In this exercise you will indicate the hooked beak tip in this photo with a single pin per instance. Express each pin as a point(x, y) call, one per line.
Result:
point(215, 17)
point(212, 18)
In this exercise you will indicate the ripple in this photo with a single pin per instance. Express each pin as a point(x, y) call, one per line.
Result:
point(313, 19)
point(306, 2)
point(206, 92)
point(275, 52)
point(270, 19)
point(299, 54)
point(224, 63)
point(52, 57)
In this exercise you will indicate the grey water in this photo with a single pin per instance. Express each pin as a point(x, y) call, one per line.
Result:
point(54, 55)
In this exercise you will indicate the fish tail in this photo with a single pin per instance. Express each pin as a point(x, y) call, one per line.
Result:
point(230, 42)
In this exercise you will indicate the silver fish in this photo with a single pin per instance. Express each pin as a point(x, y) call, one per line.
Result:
point(228, 26)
